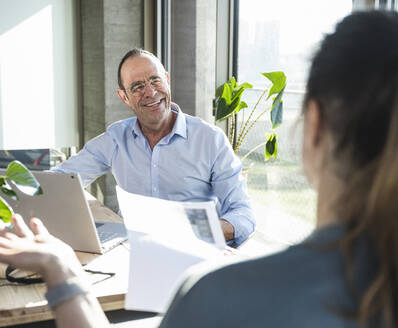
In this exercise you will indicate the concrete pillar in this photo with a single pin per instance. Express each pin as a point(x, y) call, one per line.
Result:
point(193, 55)
point(108, 30)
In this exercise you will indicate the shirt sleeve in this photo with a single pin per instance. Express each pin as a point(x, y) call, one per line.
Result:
point(230, 188)
point(94, 160)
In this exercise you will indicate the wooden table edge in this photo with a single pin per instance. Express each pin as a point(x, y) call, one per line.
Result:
point(41, 313)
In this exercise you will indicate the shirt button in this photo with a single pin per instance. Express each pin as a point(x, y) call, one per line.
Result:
point(155, 189)
point(154, 165)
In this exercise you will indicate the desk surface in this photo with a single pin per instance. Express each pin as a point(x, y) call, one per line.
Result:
point(21, 304)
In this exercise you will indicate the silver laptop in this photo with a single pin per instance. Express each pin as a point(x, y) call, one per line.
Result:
point(64, 210)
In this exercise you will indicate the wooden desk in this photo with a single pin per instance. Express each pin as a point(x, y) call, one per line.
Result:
point(22, 304)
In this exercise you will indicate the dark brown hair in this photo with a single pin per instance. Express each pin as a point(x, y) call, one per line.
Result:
point(354, 79)
point(133, 53)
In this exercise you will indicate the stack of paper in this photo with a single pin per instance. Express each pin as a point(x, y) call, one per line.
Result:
point(166, 238)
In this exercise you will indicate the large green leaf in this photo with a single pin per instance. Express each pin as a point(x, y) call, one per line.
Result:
point(227, 93)
point(242, 105)
point(238, 91)
point(20, 175)
point(5, 211)
point(246, 85)
point(228, 99)
point(278, 80)
point(277, 110)
point(271, 147)
point(219, 91)
point(6, 190)
point(232, 83)
point(223, 111)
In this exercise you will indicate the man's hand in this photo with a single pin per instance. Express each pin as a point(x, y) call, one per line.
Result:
point(227, 229)
point(36, 250)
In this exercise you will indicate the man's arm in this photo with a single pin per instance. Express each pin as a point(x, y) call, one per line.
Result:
point(230, 188)
point(228, 230)
point(36, 250)
point(92, 161)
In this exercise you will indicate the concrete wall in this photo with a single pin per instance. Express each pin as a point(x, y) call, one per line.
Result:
point(193, 55)
point(93, 75)
point(108, 30)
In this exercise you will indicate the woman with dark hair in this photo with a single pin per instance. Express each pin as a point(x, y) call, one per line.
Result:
point(346, 273)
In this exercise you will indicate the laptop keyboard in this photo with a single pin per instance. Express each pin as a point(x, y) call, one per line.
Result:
point(105, 236)
point(111, 236)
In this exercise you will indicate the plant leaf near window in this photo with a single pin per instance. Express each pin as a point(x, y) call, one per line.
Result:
point(228, 103)
point(19, 175)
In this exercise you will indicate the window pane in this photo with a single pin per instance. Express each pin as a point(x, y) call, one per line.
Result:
point(38, 75)
point(273, 36)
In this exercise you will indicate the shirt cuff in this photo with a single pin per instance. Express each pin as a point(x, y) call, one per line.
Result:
point(243, 227)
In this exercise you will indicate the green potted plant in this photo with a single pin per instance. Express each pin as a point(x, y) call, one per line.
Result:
point(18, 174)
point(228, 103)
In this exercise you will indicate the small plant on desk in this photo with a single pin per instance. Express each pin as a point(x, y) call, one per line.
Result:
point(20, 176)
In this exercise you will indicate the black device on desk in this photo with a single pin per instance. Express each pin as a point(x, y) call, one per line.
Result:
point(33, 159)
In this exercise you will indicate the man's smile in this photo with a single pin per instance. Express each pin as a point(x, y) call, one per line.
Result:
point(153, 103)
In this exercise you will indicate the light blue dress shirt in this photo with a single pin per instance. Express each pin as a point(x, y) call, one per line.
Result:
point(194, 163)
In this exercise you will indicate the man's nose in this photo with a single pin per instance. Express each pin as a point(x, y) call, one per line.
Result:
point(150, 90)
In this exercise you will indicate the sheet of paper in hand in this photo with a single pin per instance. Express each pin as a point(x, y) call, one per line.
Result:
point(166, 238)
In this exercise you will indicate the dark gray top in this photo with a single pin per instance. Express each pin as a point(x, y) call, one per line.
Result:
point(303, 286)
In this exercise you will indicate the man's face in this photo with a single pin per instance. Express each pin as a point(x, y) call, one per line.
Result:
point(146, 91)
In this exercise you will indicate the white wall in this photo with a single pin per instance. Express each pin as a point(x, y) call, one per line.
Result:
point(38, 80)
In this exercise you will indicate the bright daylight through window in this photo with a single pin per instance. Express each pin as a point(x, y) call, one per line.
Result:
point(281, 35)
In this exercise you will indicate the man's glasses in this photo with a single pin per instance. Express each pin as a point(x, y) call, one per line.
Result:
point(138, 88)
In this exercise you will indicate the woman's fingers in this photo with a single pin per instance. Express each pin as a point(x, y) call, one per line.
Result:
point(38, 227)
point(4, 243)
point(20, 227)
point(4, 228)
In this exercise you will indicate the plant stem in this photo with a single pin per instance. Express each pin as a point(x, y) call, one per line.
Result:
point(252, 150)
point(242, 132)
point(233, 131)
point(230, 131)
point(251, 125)
point(243, 120)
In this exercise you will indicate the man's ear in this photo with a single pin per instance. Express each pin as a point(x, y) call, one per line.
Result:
point(167, 77)
point(122, 95)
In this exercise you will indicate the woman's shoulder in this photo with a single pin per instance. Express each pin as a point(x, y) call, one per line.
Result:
point(292, 281)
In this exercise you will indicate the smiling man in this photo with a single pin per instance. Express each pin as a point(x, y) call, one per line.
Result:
point(164, 153)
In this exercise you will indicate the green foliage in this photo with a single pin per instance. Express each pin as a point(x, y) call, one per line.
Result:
point(278, 80)
point(277, 110)
point(19, 175)
point(228, 99)
point(271, 147)
point(5, 211)
point(228, 103)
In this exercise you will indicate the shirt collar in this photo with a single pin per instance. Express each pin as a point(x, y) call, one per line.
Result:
point(180, 125)
point(136, 129)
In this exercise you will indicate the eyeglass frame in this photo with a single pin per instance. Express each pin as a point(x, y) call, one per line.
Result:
point(151, 81)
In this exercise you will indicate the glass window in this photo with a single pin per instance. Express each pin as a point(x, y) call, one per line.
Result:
point(38, 74)
point(273, 36)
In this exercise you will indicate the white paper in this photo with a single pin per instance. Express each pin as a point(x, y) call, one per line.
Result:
point(166, 238)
